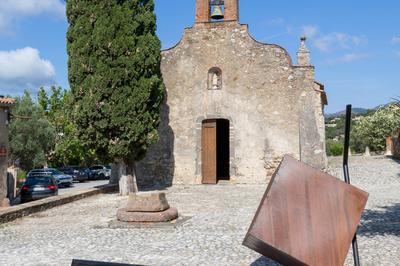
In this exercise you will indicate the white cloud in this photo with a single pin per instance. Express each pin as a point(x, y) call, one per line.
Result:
point(12, 11)
point(348, 58)
point(309, 31)
point(395, 40)
point(334, 40)
point(23, 68)
point(276, 22)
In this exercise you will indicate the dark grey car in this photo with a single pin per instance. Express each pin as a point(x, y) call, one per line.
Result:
point(80, 174)
point(38, 187)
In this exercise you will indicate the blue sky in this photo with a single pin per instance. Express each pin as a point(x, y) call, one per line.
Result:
point(354, 44)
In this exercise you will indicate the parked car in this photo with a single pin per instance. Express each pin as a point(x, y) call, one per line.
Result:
point(80, 174)
point(61, 178)
point(38, 187)
point(100, 171)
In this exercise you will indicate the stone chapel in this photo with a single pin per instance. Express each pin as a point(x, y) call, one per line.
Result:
point(233, 106)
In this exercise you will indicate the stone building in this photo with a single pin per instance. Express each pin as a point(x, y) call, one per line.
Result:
point(5, 106)
point(234, 106)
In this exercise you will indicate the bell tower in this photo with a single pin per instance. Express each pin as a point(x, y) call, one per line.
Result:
point(217, 10)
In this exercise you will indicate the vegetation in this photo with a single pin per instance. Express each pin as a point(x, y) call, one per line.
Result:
point(334, 148)
point(42, 132)
point(31, 134)
point(368, 129)
point(68, 149)
point(374, 129)
point(115, 78)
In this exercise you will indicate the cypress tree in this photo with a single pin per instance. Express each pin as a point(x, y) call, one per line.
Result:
point(115, 78)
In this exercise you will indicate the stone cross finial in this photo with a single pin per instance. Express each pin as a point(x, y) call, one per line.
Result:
point(303, 43)
point(303, 54)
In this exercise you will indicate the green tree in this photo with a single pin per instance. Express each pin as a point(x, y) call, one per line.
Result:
point(68, 149)
point(31, 134)
point(115, 78)
point(43, 100)
point(373, 130)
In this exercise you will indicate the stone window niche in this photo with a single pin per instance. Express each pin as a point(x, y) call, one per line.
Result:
point(214, 78)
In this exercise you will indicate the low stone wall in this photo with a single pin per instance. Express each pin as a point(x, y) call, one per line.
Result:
point(18, 211)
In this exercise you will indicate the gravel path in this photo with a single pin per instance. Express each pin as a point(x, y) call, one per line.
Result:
point(219, 218)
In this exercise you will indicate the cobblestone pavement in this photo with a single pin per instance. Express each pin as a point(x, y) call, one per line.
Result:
point(220, 216)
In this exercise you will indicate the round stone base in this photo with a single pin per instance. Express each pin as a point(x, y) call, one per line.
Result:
point(151, 217)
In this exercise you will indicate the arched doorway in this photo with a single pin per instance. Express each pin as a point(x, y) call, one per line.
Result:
point(215, 150)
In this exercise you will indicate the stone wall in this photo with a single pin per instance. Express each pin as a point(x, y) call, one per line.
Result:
point(3, 160)
point(272, 106)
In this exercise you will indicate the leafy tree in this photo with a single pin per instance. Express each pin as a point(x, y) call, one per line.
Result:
point(43, 100)
point(115, 78)
point(68, 149)
point(373, 130)
point(31, 134)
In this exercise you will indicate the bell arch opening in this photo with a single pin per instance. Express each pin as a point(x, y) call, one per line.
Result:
point(217, 10)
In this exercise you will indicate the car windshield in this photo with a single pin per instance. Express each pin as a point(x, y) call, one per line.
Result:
point(108, 167)
point(38, 180)
point(96, 168)
point(39, 172)
point(55, 172)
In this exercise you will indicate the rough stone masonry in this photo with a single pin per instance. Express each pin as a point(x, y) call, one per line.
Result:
point(5, 106)
point(218, 72)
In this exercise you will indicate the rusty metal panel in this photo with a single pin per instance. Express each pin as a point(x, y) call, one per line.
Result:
point(306, 217)
point(209, 152)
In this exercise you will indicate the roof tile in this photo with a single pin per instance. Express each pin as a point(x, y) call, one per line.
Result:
point(7, 101)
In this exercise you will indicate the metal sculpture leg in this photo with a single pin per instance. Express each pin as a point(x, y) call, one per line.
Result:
point(347, 176)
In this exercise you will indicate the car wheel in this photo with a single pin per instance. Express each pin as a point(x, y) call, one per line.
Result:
point(101, 176)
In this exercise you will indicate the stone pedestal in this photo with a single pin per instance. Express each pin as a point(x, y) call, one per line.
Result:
point(147, 207)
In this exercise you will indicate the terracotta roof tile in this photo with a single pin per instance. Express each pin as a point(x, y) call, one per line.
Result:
point(7, 101)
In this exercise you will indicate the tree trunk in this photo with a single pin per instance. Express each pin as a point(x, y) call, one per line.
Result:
point(127, 180)
point(114, 178)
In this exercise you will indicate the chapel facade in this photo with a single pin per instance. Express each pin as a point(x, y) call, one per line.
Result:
point(233, 106)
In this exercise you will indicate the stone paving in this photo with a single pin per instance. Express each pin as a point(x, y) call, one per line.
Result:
point(219, 218)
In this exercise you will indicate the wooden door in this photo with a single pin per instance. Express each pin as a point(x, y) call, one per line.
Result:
point(209, 152)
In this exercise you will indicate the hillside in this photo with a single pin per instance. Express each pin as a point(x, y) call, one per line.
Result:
point(357, 111)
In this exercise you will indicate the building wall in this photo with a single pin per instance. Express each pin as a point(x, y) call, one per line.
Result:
point(267, 100)
point(3, 160)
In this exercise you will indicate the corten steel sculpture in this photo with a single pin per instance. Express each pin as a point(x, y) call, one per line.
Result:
point(306, 217)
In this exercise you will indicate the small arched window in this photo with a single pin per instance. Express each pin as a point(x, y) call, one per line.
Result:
point(214, 78)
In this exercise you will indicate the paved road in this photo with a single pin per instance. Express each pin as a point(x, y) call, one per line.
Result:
point(80, 186)
point(219, 218)
point(74, 187)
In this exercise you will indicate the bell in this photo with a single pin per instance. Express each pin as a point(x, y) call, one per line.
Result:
point(217, 13)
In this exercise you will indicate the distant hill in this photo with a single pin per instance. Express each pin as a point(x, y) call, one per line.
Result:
point(357, 111)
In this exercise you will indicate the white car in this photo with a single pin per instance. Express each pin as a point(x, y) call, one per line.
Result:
point(100, 171)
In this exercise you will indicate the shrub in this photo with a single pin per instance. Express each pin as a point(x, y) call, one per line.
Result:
point(334, 148)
